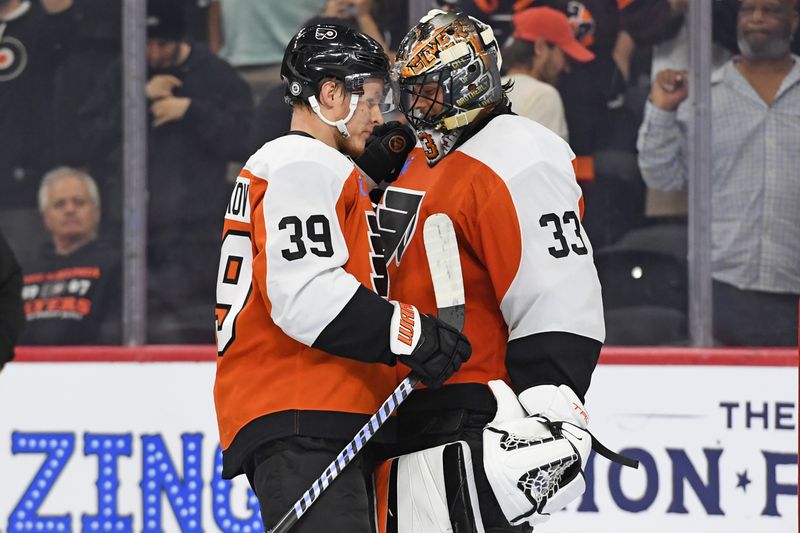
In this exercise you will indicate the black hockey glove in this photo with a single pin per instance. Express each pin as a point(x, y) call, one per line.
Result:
point(432, 349)
point(386, 151)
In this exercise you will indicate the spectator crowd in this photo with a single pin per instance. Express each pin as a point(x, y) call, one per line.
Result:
point(608, 76)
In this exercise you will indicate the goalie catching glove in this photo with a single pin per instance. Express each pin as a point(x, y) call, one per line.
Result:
point(535, 449)
point(432, 349)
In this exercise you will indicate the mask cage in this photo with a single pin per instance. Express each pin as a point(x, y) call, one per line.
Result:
point(420, 96)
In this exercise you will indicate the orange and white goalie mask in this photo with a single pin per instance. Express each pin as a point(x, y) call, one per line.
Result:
point(447, 71)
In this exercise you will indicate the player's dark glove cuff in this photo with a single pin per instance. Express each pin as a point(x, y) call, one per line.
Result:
point(432, 349)
point(386, 151)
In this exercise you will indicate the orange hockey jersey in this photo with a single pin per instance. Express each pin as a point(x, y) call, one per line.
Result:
point(298, 278)
point(527, 264)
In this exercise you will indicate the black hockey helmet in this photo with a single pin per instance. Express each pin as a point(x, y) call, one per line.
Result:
point(320, 51)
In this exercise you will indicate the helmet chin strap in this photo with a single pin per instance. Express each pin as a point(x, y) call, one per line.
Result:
point(340, 125)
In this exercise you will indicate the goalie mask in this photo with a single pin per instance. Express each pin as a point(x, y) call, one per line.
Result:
point(447, 71)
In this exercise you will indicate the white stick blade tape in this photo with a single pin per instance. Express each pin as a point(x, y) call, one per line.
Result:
point(443, 260)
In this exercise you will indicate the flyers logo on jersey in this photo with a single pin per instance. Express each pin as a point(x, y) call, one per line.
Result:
point(380, 277)
point(239, 205)
point(398, 213)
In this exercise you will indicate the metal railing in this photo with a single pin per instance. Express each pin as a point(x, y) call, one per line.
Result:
point(134, 165)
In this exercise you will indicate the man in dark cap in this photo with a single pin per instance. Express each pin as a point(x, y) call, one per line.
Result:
point(199, 111)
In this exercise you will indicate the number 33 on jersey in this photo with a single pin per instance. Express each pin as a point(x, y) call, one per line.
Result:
point(527, 263)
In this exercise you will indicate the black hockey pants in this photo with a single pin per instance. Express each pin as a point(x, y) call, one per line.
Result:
point(283, 469)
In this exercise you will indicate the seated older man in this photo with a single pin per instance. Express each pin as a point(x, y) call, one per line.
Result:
point(71, 288)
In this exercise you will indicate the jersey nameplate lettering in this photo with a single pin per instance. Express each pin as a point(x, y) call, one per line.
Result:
point(239, 206)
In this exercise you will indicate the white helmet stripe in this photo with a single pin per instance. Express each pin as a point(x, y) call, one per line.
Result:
point(456, 51)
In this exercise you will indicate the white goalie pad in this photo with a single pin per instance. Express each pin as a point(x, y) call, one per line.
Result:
point(434, 490)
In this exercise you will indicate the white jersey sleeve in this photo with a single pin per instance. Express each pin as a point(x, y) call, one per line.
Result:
point(554, 286)
point(304, 243)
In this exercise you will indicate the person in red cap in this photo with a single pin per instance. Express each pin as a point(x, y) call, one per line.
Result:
point(541, 48)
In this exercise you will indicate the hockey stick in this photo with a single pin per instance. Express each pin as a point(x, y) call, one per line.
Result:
point(444, 263)
point(448, 287)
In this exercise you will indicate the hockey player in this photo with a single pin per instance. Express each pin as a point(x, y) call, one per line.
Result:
point(533, 305)
point(306, 341)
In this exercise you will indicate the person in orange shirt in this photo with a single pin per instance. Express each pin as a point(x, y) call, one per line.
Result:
point(534, 312)
point(306, 340)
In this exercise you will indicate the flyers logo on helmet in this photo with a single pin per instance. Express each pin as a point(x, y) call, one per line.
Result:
point(325, 33)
